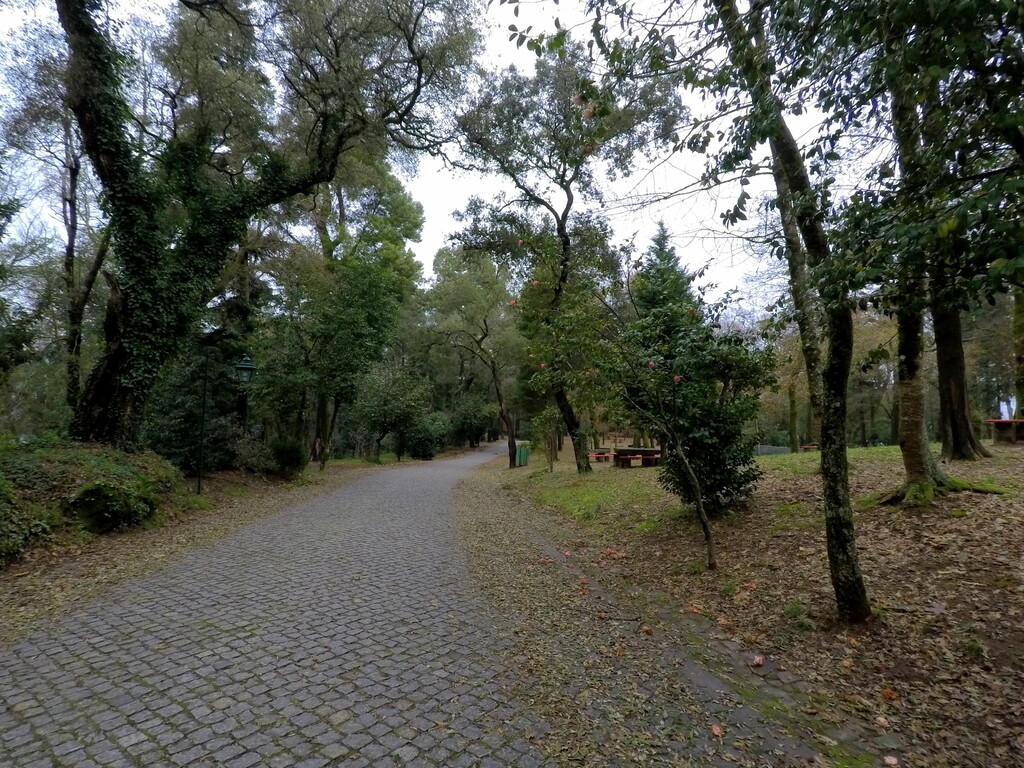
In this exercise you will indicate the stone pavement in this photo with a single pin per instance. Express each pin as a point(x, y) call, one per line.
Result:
point(341, 632)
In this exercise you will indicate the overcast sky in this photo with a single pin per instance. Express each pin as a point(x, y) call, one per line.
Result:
point(694, 222)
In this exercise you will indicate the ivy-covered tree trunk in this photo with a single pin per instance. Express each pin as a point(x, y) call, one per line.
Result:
point(959, 441)
point(803, 303)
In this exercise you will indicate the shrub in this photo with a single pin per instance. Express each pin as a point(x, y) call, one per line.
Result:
point(20, 527)
point(253, 455)
point(427, 436)
point(290, 456)
point(108, 505)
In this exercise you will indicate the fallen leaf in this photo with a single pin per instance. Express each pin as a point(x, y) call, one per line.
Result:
point(716, 730)
point(889, 694)
point(602, 615)
point(758, 661)
point(890, 760)
point(882, 722)
point(646, 630)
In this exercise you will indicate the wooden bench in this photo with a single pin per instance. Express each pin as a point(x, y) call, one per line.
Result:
point(626, 461)
point(809, 447)
point(1009, 431)
point(600, 456)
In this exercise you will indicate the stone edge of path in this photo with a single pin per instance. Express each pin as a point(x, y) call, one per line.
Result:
point(35, 595)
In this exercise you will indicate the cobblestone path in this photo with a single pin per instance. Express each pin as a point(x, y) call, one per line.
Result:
point(341, 632)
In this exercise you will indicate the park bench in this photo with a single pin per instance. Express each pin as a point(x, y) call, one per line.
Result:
point(809, 447)
point(600, 456)
point(626, 461)
point(1009, 431)
point(649, 457)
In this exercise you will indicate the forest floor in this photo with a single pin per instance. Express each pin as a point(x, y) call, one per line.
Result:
point(934, 678)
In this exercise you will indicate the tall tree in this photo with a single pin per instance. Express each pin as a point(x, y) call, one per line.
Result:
point(471, 302)
point(546, 135)
point(180, 202)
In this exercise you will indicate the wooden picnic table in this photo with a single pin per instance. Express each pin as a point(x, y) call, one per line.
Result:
point(1009, 431)
point(648, 457)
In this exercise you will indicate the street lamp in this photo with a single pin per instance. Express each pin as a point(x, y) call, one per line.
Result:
point(244, 370)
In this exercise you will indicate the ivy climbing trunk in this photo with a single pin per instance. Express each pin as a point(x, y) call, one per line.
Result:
point(800, 291)
point(921, 472)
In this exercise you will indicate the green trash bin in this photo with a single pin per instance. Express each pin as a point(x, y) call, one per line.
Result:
point(522, 454)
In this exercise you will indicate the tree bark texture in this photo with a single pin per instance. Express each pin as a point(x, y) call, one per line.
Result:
point(752, 63)
point(959, 441)
point(574, 430)
point(794, 432)
point(1018, 350)
point(803, 301)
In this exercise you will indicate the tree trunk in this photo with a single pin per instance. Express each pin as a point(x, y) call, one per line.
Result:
point(844, 566)
point(325, 454)
point(1018, 349)
point(572, 426)
point(110, 409)
point(750, 58)
point(794, 433)
point(800, 291)
point(922, 473)
point(506, 419)
point(698, 503)
point(958, 438)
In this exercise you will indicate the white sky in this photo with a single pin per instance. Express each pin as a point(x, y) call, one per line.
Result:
point(698, 234)
point(694, 221)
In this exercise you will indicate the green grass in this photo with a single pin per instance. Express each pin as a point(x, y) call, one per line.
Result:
point(630, 497)
point(44, 476)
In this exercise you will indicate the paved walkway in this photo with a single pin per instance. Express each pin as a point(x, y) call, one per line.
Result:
point(341, 632)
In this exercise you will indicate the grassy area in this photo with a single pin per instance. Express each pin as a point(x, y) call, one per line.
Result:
point(946, 582)
point(55, 489)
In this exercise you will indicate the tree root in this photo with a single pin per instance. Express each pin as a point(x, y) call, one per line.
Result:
point(923, 494)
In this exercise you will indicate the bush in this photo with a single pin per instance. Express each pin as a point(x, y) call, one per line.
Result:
point(253, 455)
point(108, 505)
point(290, 456)
point(427, 436)
point(20, 527)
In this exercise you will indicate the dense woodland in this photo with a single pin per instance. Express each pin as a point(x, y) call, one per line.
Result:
point(181, 191)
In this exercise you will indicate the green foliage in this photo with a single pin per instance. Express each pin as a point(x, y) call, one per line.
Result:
point(49, 483)
point(21, 526)
point(253, 455)
point(693, 383)
point(174, 420)
point(428, 436)
point(106, 505)
point(290, 456)
point(470, 418)
point(391, 401)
